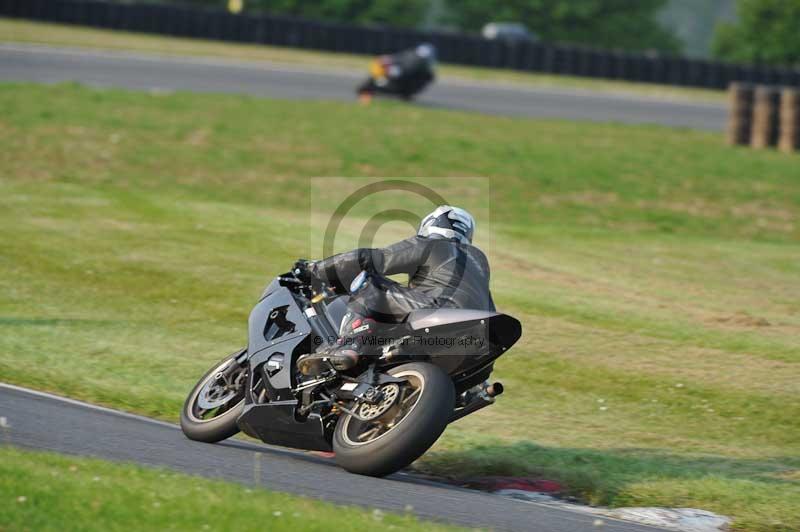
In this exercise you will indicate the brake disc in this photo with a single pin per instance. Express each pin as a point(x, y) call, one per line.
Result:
point(217, 393)
point(372, 411)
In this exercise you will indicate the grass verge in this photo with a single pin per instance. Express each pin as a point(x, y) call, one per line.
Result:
point(654, 270)
point(44, 491)
point(12, 30)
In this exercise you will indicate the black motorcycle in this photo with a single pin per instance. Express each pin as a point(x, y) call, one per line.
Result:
point(404, 74)
point(378, 416)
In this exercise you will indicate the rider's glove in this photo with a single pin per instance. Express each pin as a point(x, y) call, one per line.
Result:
point(302, 270)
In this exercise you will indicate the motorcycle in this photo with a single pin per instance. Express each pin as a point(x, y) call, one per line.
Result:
point(377, 417)
point(404, 74)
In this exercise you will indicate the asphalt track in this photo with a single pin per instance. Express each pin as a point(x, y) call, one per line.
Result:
point(158, 72)
point(45, 422)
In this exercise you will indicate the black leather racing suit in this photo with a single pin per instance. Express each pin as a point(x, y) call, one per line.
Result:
point(442, 273)
point(412, 66)
point(407, 72)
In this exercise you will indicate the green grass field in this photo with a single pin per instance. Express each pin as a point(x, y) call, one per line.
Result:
point(42, 491)
point(23, 31)
point(655, 272)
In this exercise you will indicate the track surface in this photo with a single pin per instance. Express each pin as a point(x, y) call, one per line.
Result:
point(147, 72)
point(45, 422)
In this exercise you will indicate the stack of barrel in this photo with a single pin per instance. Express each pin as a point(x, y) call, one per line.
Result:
point(764, 116)
point(790, 120)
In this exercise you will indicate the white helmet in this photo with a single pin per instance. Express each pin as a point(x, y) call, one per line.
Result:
point(426, 51)
point(448, 222)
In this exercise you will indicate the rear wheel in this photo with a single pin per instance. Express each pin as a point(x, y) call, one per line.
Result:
point(401, 427)
point(215, 403)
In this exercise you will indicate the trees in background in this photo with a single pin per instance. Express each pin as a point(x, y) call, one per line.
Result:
point(625, 24)
point(404, 13)
point(768, 31)
point(694, 22)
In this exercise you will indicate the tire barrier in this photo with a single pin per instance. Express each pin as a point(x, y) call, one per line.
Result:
point(790, 120)
point(764, 116)
point(764, 133)
point(453, 47)
point(740, 123)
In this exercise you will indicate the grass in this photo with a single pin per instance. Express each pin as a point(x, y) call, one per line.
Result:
point(12, 30)
point(38, 490)
point(654, 270)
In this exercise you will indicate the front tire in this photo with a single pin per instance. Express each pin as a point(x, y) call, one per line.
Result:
point(410, 432)
point(215, 389)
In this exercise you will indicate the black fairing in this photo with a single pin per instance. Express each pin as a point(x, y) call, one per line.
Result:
point(464, 343)
point(261, 348)
point(274, 421)
point(276, 424)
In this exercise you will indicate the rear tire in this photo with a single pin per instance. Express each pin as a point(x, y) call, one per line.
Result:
point(410, 437)
point(219, 427)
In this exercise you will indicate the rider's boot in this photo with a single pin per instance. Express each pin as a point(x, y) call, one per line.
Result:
point(351, 347)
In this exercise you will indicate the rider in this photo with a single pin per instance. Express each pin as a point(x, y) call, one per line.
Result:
point(414, 66)
point(445, 271)
point(416, 63)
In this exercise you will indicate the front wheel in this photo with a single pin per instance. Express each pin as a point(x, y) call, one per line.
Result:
point(398, 430)
point(214, 404)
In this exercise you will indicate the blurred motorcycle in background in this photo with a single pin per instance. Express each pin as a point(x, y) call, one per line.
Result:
point(404, 74)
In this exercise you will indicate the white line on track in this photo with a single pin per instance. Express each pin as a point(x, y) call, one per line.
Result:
point(89, 406)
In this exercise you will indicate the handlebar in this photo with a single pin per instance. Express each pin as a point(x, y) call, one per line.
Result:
point(301, 281)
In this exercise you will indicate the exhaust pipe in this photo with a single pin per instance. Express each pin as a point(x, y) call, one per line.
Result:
point(485, 398)
point(493, 390)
